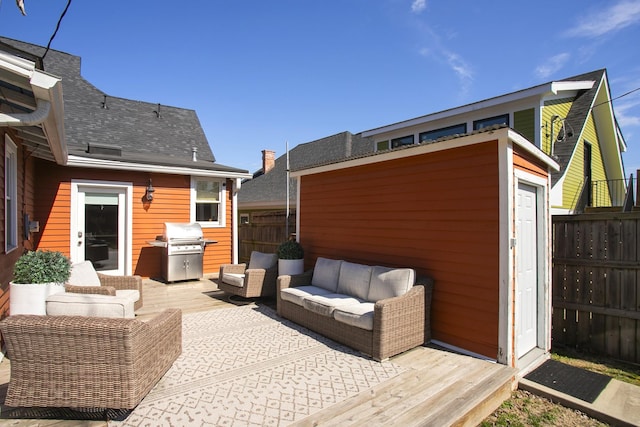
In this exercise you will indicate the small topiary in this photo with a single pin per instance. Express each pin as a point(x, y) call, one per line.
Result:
point(42, 266)
point(290, 250)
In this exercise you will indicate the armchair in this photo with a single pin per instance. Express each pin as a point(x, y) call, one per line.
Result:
point(256, 280)
point(85, 280)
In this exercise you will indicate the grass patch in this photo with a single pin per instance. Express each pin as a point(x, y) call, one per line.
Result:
point(617, 369)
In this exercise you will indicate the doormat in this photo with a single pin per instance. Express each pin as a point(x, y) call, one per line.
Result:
point(579, 383)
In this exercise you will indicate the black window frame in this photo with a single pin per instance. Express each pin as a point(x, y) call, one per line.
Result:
point(398, 142)
point(458, 129)
point(490, 121)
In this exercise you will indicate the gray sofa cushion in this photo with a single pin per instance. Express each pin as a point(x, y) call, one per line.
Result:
point(298, 294)
point(325, 274)
point(325, 304)
point(390, 282)
point(358, 315)
point(354, 280)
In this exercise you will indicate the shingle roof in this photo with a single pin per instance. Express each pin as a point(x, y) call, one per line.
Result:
point(145, 132)
point(270, 188)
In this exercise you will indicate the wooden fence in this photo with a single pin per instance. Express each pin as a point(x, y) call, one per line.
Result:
point(264, 232)
point(596, 293)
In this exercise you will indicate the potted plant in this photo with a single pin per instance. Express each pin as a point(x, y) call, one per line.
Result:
point(290, 258)
point(36, 275)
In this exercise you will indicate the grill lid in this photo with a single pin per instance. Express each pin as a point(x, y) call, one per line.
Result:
point(182, 231)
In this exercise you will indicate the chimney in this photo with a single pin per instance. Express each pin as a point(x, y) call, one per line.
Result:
point(268, 160)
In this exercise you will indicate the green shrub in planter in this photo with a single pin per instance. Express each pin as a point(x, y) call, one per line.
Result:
point(290, 250)
point(42, 267)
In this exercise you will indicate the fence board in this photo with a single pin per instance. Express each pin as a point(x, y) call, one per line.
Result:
point(596, 283)
point(264, 233)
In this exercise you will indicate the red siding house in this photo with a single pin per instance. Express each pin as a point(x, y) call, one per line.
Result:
point(470, 211)
point(80, 167)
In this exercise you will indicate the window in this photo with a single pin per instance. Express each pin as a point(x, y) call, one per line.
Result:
point(207, 201)
point(497, 120)
point(10, 195)
point(244, 219)
point(382, 145)
point(432, 135)
point(405, 140)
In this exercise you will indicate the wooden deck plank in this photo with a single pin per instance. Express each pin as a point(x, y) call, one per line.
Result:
point(438, 387)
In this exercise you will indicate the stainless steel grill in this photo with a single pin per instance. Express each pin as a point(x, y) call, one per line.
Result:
point(183, 252)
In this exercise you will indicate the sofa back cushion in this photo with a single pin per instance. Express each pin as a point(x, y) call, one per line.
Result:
point(83, 274)
point(390, 282)
point(326, 273)
point(262, 260)
point(354, 279)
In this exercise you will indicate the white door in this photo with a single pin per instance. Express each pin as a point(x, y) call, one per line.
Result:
point(99, 227)
point(527, 270)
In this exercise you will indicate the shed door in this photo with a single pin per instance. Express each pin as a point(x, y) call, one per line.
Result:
point(527, 270)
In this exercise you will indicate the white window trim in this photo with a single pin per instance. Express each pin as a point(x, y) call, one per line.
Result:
point(10, 193)
point(221, 223)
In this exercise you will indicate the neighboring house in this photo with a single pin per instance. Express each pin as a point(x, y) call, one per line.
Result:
point(82, 165)
point(470, 211)
point(572, 120)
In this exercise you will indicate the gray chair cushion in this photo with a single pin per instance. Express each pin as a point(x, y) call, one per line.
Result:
point(325, 304)
point(262, 260)
point(298, 294)
point(325, 274)
point(390, 282)
point(354, 279)
point(358, 315)
point(83, 274)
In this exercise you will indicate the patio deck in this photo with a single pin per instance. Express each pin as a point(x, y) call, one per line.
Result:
point(439, 388)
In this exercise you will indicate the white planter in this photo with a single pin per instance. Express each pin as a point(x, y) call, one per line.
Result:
point(30, 298)
point(290, 267)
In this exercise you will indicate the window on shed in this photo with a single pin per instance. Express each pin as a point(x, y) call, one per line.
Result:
point(405, 140)
point(490, 121)
point(207, 201)
point(432, 135)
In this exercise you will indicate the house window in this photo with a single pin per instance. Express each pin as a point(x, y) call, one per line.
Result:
point(496, 120)
point(405, 140)
point(432, 135)
point(10, 195)
point(382, 145)
point(207, 201)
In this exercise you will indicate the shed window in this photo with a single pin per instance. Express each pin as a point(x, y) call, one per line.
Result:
point(490, 121)
point(10, 195)
point(207, 201)
point(432, 135)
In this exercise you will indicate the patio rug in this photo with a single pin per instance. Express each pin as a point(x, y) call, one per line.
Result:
point(579, 383)
point(246, 366)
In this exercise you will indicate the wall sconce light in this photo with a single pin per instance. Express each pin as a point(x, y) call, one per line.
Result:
point(148, 195)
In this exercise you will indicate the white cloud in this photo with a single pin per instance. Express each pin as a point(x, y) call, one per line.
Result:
point(459, 66)
point(627, 113)
point(618, 16)
point(552, 65)
point(418, 6)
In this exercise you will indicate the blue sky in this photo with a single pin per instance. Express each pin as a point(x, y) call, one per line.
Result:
point(261, 73)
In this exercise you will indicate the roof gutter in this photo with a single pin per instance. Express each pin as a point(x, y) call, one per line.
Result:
point(49, 112)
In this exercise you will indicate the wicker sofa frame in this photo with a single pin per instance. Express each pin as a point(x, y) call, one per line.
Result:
point(399, 323)
point(88, 362)
point(109, 285)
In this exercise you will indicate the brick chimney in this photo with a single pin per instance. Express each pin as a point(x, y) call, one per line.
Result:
point(268, 160)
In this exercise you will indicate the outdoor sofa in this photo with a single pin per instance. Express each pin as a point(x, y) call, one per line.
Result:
point(88, 362)
point(377, 310)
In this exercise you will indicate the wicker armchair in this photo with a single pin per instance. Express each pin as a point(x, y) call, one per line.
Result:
point(88, 362)
point(256, 280)
point(85, 280)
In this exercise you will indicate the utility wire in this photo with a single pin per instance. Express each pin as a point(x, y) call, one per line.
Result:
point(617, 97)
point(57, 28)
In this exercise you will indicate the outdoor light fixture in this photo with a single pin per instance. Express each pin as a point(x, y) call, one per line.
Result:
point(564, 132)
point(148, 195)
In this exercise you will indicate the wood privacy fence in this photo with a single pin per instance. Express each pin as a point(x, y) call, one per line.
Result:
point(264, 233)
point(596, 293)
